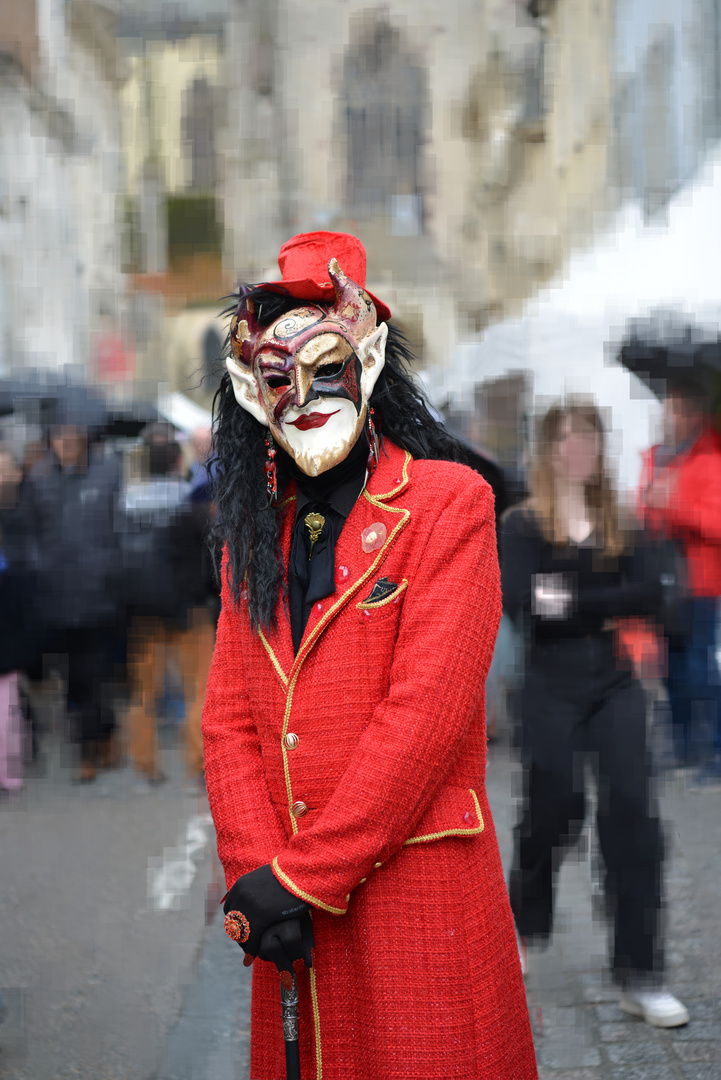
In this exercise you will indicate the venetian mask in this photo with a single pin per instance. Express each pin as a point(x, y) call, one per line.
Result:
point(309, 375)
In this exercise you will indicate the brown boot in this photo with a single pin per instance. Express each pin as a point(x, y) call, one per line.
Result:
point(87, 769)
point(86, 772)
point(110, 755)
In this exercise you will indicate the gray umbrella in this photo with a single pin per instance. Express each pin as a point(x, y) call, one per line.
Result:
point(662, 352)
point(34, 397)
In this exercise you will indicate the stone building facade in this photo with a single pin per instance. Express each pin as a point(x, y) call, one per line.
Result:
point(62, 293)
point(466, 144)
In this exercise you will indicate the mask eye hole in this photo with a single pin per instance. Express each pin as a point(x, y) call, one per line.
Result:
point(329, 371)
point(275, 382)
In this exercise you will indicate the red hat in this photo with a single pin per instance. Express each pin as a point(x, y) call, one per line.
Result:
point(303, 262)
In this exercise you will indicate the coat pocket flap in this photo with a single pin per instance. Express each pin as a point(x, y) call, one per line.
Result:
point(455, 811)
point(390, 598)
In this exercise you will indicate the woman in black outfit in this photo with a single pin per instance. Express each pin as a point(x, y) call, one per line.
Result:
point(568, 571)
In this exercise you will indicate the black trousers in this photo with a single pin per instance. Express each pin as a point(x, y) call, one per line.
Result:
point(578, 704)
point(91, 661)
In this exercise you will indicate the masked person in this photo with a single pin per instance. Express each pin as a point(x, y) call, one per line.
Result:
point(343, 726)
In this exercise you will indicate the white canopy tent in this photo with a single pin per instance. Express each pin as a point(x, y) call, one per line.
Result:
point(183, 413)
point(569, 334)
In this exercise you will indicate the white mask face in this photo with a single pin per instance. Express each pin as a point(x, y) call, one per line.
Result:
point(309, 376)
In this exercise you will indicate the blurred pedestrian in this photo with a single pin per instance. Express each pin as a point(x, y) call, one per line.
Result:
point(680, 498)
point(568, 571)
point(19, 545)
point(21, 557)
point(201, 491)
point(168, 590)
point(72, 495)
point(18, 632)
point(199, 473)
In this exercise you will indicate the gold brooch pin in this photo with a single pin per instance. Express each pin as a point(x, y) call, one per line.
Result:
point(314, 524)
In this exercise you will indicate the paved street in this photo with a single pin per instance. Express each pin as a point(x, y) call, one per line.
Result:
point(580, 1032)
point(110, 972)
point(102, 909)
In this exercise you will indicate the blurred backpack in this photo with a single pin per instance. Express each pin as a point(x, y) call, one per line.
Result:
point(152, 514)
point(668, 566)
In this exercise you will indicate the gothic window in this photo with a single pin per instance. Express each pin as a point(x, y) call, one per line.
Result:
point(199, 135)
point(385, 111)
point(659, 135)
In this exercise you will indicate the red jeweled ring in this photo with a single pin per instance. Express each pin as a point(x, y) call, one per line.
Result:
point(237, 926)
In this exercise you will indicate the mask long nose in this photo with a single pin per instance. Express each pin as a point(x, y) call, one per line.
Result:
point(323, 348)
point(304, 391)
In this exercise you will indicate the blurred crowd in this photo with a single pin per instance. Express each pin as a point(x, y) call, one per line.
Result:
point(610, 618)
point(106, 577)
point(107, 584)
point(105, 573)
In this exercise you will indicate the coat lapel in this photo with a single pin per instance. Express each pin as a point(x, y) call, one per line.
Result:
point(389, 480)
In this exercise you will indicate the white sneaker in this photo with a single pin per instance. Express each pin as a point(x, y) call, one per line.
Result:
point(657, 1007)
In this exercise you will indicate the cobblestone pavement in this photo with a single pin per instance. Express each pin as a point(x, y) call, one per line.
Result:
point(99, 985)
point(93, 972)
point(579, 1030)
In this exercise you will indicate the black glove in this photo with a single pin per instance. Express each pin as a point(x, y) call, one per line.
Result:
point(285, 942)
point(264, 902)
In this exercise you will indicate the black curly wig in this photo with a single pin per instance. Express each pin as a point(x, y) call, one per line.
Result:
point(244, 522)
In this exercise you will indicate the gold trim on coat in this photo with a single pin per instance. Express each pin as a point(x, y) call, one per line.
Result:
point(273, 659)
point(289, 687)
point(316, 1026)
point(304, 895)
point(318, 629)
point(452, 832)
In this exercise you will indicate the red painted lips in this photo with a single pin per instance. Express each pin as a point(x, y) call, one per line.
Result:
point(312, 420)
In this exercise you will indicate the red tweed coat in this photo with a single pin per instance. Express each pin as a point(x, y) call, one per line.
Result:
point(357, 769)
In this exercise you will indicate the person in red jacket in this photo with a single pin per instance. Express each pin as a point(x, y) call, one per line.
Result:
point(344, 732)
point(680, 498)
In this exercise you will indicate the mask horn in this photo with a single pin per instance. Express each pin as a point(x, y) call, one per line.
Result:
point(243, 330)
point(353, 306)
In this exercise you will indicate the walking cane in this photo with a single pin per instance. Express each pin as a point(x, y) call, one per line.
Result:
point(289, 1006)
point(237, 928)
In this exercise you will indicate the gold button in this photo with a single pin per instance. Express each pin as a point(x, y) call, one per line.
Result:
point(376, 865)
point(363, 880)
point(291, 741)
point(347, 897)
point(298, 809)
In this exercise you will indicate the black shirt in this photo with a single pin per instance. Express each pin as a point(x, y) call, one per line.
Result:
point(602, 588)
point(333, 494)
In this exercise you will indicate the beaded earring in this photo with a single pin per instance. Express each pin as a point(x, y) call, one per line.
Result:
point(372, 437)
point(271, 478)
